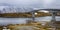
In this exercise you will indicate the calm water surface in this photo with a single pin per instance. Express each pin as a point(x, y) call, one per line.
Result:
point(5, 21)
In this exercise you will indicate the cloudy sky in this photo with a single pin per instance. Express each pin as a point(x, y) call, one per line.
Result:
point(53, 4)
point(33, 3)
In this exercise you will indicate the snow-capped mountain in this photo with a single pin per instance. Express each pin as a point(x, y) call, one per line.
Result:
point(6, 8)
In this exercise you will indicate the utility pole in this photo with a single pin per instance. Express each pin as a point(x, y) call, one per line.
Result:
point(53, 19)
point(53, 16)
point(33, 16)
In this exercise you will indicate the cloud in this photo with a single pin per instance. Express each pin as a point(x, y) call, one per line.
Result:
point(34, 3)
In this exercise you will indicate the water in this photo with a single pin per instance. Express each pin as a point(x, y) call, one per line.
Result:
point(5, 21)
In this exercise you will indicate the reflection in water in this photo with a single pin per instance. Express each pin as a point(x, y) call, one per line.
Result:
point(5, 21)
